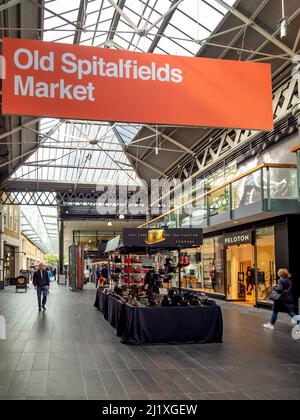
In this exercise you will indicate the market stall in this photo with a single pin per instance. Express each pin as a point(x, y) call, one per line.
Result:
point(153, 325)
point(139, 300)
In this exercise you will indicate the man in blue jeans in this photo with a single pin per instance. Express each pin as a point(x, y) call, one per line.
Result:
point(41, 283)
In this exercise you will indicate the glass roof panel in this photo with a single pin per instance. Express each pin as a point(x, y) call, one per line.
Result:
point(83, 151)
point(39, 229)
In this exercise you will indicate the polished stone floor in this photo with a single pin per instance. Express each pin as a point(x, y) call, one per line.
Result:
point(70, 352)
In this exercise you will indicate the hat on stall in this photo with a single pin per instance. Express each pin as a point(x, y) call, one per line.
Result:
point(155, 236)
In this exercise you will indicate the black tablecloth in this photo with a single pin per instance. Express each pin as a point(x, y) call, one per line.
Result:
point(140, 325)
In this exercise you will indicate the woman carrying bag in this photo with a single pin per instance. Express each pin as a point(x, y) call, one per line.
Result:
point(282, 296)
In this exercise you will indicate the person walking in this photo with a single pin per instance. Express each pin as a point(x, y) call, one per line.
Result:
point(105, 272)
point(285, 300)
point(41, 283)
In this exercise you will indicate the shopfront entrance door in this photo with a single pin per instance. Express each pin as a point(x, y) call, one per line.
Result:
point(9, 264)
point(240, 273)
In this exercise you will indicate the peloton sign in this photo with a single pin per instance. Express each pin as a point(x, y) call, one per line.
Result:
point(240, 238)
point(72, 81)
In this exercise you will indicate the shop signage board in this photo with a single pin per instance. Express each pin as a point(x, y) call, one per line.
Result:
point(239, 238)
point(163, 238)
point(49, 79)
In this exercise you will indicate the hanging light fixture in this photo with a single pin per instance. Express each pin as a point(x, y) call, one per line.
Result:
point(121, 217)
point(283, 23)
point(109, 223)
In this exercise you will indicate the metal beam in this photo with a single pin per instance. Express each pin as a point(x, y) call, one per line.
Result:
point(80, 20)
point(9, 4)
point(153, 168)
point(164, 24)
point(115, 21)
point(257, 28)
point(125, 17)
point(41, 6)
point(181, 146)
point(77, 167)
point(17, 129)
point(290, 20)
point(266, 55)
point(123, 146)
point(296, 41)
point(102, 150)
point(257, 11)
point(211, 36)
point(171, 10)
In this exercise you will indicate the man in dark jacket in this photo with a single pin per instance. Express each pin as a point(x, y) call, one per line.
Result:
point(41, 283)
point(104, 271)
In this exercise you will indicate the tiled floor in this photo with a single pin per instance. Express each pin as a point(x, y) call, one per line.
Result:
point(70, 352)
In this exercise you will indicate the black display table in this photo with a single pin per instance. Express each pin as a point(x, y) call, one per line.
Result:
point(153, 325)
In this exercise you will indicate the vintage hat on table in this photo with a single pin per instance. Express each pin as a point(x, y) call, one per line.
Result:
point(155, 236)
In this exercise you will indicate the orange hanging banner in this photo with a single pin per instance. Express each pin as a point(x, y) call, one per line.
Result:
point(72, 81)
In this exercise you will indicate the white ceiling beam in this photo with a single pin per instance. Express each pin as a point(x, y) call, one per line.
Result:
point(181, 146)
point(172, 8)
point(19, 128)
point(282, 56)
point(296, 41)
point(9, 4)
point(153, 168)
point(244, 25)
point(257, 28)
point(125, 17)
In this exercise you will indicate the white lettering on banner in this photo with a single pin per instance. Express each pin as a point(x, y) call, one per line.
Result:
point(45, 63)
point(29, 87)
point(128, 69)
point(25, 59)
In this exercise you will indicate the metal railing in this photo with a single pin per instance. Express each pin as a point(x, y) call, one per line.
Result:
point(258, 186)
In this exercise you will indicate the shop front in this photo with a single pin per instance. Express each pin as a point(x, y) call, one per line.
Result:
point(9, 264)
point(238, 266)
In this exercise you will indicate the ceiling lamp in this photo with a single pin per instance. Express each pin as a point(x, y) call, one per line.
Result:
point(109, 223)
point(121, 217)
point(283, 23)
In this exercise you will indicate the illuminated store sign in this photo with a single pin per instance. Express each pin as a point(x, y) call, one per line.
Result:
point(74, 81)
point(239, 238)
point(163, 238)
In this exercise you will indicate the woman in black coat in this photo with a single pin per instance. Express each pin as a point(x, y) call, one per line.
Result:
point(286, 302)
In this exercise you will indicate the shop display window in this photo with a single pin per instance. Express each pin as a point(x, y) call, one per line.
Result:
point(265, 243)
point(241, 273)
point(212, 265)
point(191, 277)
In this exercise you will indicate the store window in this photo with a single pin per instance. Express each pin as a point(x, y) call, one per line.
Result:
point(212, 265)
point(191, 277)
point(16, 219)
point(5, 216)
point(241, 272)
point(265, 242)
point(9, 263)
point(10, 218)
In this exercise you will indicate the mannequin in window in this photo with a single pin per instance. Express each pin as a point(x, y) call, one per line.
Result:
point(250, 279)
point(213, 276)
